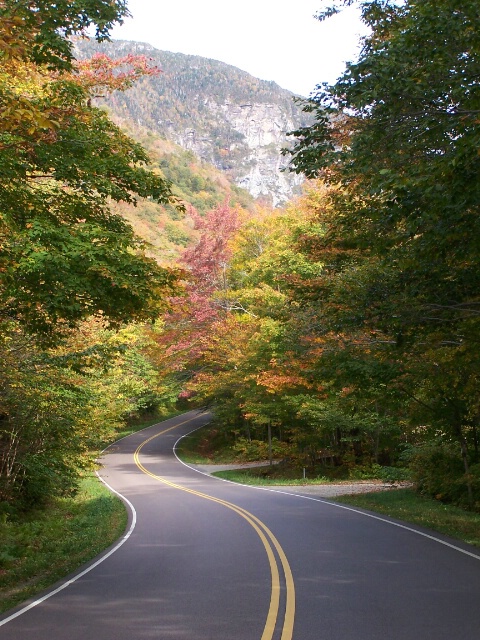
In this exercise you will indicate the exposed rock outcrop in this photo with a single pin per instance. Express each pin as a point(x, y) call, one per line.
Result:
point(223, 115)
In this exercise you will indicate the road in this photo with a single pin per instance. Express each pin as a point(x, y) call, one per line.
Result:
point(204, 559)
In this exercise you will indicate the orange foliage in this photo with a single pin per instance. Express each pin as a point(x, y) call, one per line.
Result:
point(100, 73)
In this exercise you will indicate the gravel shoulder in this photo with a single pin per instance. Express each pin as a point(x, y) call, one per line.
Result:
point(329, 490)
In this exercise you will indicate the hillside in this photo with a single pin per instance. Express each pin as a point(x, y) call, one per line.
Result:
point(223, 115)
point(195, 184)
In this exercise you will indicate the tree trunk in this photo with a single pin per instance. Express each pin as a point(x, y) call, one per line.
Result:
point(270, 459)
point(466, 466)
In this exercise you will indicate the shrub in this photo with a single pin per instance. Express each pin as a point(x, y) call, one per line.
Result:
point(253, 450)
point(377, 472)
point(394, 474)
point(438, 471)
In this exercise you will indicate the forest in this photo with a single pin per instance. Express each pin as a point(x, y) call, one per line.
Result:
point(345, 324)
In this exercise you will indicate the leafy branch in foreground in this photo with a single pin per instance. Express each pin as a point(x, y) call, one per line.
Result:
point(64, 254)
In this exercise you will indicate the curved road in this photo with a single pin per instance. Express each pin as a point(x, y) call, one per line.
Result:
point(204, 559)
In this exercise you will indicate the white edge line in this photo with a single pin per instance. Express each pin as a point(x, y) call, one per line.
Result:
point(332, 504)
point(90, 567)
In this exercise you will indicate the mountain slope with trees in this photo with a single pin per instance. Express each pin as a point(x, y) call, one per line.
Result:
point(225, 116)
point(196, 184)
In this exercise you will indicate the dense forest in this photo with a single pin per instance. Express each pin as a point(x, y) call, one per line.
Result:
point(345, 324)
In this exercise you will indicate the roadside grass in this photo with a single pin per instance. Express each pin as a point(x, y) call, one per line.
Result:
point(255, 477)
point(409, 506)
point(39, 547)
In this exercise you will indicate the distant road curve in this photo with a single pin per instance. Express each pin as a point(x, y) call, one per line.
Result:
point(204, 559)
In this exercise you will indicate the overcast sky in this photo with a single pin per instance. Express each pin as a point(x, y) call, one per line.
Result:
point(276, 40)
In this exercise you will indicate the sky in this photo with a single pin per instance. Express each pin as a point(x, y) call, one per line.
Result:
point(277, 40)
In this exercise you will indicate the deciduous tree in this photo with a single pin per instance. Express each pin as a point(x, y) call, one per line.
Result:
point(64, 254)
point(399, 132)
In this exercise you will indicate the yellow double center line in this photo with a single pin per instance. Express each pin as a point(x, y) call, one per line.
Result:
point(269, 542)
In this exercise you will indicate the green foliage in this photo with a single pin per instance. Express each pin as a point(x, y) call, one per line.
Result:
point(213, 442)
point(255, 450)
point(389, 475)
point(37, 439)
point(45, 28)
point(58, 408)
point(438, 472)
point(393, 475)
point(407, 154)
point(398, 304)
point(64, 255)
point(177, 235)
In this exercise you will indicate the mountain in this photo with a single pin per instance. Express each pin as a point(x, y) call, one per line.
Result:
point(223, 115)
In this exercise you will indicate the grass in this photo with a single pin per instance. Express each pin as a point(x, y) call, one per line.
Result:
point(40, 547)
point(256, 478)
point(409, 506)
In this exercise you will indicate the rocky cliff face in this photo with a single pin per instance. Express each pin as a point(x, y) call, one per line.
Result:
point(262, 128)
point(226, 117)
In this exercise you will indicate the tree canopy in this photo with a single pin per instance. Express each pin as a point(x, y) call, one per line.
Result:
point(64, 254)
point(399, 131)
point(71, 269)
point(39, 30)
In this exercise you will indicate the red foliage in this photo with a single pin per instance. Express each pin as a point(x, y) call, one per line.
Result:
point(192, 315)
point(208, 259)
point(101, 74)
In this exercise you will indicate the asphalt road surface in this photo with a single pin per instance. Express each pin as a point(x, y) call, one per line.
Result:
point(204, 559)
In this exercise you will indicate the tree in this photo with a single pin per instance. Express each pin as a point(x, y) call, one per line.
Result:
point(68, 264)
point(203, 300)
point(407, 149)
point(399, 133)
point(64, 254)
point(59, 406)
point(39, 31)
